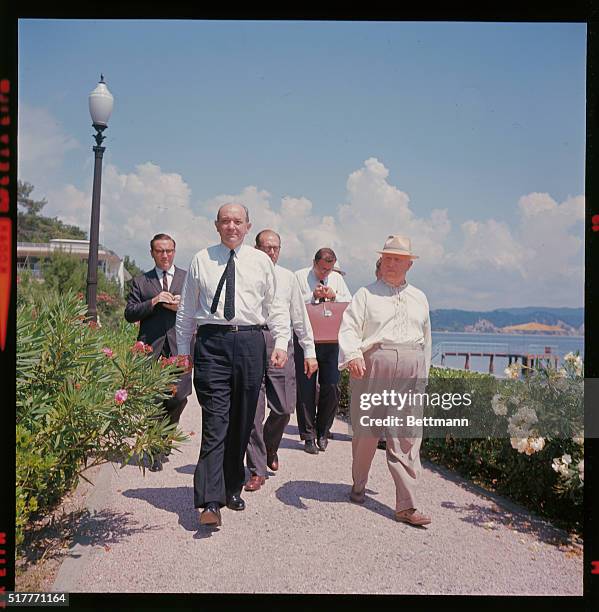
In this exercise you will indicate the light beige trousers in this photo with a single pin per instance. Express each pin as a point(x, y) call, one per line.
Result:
point(399, 367)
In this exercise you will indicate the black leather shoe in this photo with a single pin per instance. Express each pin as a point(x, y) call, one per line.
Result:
point(211, 515)
point(311, 447)
point(235, 503)
point(322, 443)
point(156, 464)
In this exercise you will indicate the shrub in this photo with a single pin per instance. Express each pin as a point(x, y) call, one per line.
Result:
point(543, 472)
point(83, 397)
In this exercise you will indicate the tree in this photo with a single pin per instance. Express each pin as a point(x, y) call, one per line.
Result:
point(33, 227)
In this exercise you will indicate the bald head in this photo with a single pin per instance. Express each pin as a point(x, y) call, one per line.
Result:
point(226, 207)
point(269, 242)
point(232, 224)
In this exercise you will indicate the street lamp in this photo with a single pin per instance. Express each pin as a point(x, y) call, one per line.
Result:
point(100, 107)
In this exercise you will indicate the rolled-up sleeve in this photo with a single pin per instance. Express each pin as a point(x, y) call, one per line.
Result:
point(277, 308)
point(351, 330)
point(300, 320)
point(186, 320)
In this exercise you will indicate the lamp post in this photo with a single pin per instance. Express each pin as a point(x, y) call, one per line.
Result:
point(100, 108)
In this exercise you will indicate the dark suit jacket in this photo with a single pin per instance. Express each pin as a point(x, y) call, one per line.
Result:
point(156, 323)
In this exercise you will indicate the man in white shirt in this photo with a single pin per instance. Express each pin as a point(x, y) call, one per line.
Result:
point(319, 282)
point(385, 339)
point(279, 383)
point(230, 294)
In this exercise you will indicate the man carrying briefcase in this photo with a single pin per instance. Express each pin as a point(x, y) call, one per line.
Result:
point(323, 284)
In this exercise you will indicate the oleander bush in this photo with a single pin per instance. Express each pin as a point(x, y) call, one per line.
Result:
point(85, 395)
point(533, 455)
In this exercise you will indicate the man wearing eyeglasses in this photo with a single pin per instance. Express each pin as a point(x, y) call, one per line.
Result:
point(153, 301)
point(278, 386)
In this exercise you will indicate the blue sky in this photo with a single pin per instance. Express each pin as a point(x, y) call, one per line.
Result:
point(468, 137)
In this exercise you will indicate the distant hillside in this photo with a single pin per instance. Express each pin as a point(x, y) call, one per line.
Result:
point(459, 320)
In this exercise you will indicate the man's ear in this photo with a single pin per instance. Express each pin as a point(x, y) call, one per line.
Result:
point(249, 226)
point(216, 225)
point(411, 262)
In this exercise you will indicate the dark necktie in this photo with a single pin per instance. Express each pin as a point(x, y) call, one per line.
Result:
point(164, 283)
point(228, 277)
point(321, 299)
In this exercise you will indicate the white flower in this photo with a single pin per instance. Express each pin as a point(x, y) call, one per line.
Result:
point(513, 370)
point(536, 444)
point(566, 459)
point(578, 440)
point(560, 467)
point(498, 406)
point(581, 470)
point(575, 361)
point(519, 423)
point(520, 444)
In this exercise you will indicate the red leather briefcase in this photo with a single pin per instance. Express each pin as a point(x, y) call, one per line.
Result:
point(325, 319)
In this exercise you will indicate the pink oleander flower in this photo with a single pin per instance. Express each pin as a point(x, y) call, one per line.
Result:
point(183, 362)
point(108, 352)
point(121, 396)
point(140, 347)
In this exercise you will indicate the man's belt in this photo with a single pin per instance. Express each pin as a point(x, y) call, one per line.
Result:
point(229, 328)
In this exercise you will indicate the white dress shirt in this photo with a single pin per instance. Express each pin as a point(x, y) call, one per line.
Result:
point(256, 299)
point(170, 275)
point(308, 282)
point(386, 314)
point(290, 293)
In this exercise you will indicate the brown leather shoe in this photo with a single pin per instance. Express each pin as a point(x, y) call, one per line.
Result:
point(272, 460)
point(210, 515)
point(413, 517)
point(357, 497)
point(254, 483)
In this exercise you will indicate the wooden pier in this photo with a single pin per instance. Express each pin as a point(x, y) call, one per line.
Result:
point(527, 359)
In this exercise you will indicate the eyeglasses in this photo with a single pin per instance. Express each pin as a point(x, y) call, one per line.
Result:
point(161, 251)
point(270, 248)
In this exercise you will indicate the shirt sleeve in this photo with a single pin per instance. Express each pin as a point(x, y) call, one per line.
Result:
point(186, 321)
point(343, 294)
point(277, 307)
point(300, 320)
point(351, 330)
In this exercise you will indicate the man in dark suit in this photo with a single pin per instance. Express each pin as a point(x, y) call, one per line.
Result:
point(153, 300)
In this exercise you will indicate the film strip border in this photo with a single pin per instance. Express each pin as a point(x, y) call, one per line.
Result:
point(5, 211)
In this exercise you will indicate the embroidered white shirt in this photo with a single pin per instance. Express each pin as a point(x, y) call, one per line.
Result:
point(385, 314)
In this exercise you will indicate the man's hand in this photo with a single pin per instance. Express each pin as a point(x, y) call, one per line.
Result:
point(310, 366)
point(164, 297)
point(329, 293)
point(278, 358)
point(175, 305)
point(357, 367)
point(318, 292)
point(322, 291)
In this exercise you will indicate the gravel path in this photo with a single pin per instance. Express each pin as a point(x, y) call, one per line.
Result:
point(300, 534)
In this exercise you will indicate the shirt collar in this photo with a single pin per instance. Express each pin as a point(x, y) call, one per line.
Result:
point(225, 249)
point(170, 271)
point(393, 289)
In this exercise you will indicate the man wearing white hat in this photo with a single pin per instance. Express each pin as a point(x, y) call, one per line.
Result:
point(385, 338)
point(323, 280)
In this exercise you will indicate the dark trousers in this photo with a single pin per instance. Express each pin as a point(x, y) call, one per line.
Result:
point(278, 389)
point(228, 371)
point(315, 421)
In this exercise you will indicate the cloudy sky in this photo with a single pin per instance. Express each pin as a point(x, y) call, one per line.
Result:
point(467, 137)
